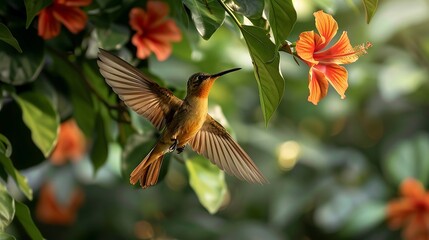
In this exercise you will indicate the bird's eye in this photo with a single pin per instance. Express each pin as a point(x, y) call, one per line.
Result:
point(201, 77)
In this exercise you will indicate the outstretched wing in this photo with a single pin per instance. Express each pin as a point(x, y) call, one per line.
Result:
point(144, 96)
point(215, 143)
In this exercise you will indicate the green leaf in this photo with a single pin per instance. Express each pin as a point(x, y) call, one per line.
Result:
point(7, 208)
point(208, 16)
point(364, 217)
point(5, 146)
point(24, 217)
point(250, 9)
point(83, 105)
point(41, 118)
point(253, 10)
point(113, 37)
point(282, 18)
point(266, 60)
point(33, 8)
point(208, 182)
point(370, 8)
point(20, 68)
point(20, 180)
point(408, 159)
point(13, 127)
point(125, 130)
point(7, 37)
point(98, 83)
point(5, 236)
point(100, 149)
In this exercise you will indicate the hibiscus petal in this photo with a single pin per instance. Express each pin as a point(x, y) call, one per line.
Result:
point(341, 52)
point(143, 50)
point(398, 212)
point(51, 211)
point(73, 19)
point(154, 30)
point(137, 19)
point(337, 77)
point(318, 86)
point(70, 145)
point(157, 11)
point(326, 26)
point(412, 188)
point(161, 49)
point(74, 3)
point(306, 45)
point(48, 26)
point(415, 228)
point(168, 32)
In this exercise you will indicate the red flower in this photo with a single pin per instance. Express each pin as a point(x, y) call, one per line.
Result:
point(154, 31)
point(70, 145)
point(64, 12)
point(50, 211)
point(325, 62)
point(411, 211)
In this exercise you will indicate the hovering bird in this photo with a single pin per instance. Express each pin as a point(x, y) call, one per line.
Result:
point(182, 122)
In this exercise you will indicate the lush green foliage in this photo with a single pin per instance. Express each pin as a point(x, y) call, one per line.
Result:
point(343, 159)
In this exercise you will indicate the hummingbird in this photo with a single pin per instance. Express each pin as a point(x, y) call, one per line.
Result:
point(182, 122)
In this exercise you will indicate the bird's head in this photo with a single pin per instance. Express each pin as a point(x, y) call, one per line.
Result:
point(199, 84)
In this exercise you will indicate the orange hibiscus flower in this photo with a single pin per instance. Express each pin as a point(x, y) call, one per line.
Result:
point(325, 62)
point(411, 211)
point(70, 145)
point(154, 31)
point(64, 12)
point(50, 211)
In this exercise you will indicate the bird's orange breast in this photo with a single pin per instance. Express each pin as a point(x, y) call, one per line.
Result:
point(189, 129)
point(188, 121)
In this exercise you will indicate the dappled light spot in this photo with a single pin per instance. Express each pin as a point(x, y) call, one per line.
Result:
point(144, 230)
point(288, 154)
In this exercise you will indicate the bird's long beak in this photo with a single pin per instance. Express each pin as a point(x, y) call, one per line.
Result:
point(216, 75)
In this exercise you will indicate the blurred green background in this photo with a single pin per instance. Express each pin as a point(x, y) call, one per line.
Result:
point(332, 167)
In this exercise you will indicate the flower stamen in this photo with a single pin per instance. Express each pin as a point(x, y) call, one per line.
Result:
point(357, 51)
point(361, 48)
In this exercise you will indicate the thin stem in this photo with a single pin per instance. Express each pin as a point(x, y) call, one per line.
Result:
point(230, 13)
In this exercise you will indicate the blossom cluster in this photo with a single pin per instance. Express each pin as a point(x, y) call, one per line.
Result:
point(154, 30)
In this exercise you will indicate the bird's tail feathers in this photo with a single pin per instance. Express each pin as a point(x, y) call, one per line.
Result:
point(147, 172)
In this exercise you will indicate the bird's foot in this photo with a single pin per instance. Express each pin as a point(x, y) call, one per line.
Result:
point(174, 145)
point(180, 149)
